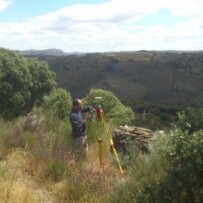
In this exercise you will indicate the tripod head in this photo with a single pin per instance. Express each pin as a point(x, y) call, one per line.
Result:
point(98, 110)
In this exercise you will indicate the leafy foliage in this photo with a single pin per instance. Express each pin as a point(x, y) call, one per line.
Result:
point(59, 103)
point(14, 84)
point(191, 120)
point(113, 108)
point(184, 182)
point(42, 80)
point(23, 83)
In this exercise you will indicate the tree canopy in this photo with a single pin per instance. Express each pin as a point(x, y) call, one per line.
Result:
point(23, 83)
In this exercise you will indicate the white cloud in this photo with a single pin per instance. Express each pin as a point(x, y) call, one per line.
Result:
point(4, 4)
point(109, 26)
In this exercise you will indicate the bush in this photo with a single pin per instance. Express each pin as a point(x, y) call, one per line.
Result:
point(143, 170)
point(59, 103)
point(113, 108)
point(191, 120)
point(23, 83)
point(184, 152)
point(184, 182)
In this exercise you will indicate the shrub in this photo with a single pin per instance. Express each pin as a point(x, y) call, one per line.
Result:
point(184, 182)
point(59, 103)
point(190, 120)
point(113, 108)
point(143, 170)
point(184, 152)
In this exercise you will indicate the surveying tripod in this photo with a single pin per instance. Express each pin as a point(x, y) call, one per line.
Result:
point(100, 117)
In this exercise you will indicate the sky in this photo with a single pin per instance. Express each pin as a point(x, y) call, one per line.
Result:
point(101, 25)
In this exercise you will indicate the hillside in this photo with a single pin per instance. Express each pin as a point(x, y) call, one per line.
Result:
point(137, 78)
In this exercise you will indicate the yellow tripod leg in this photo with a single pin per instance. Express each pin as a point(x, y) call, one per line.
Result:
point(108, 132)
point(100, 153)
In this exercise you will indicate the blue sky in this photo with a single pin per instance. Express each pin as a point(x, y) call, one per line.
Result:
point(163, 17)
point(22, 9)
point(101, 25)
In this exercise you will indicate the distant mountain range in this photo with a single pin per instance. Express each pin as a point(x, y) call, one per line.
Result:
point(45, 52)
point(59, 52)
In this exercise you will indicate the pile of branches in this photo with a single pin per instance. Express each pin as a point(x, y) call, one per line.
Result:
point(125, 136)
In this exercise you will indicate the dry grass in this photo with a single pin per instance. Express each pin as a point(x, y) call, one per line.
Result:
point(16, 185)
point(86, 181)
point(17, 193)
point(41, 168)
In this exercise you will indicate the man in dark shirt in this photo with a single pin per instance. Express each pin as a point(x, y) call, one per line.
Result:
point(79, 128)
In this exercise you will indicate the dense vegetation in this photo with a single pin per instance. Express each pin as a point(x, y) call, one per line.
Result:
point(112, 106)
point(172, 171)
point(23, 83)
point(58, 103)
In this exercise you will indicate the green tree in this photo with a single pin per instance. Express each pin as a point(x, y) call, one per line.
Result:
point(113, 108)
point(23, 83)
point(59, 103)
point(43, 80)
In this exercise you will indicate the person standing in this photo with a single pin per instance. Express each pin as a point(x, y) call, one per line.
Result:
point(78, 123)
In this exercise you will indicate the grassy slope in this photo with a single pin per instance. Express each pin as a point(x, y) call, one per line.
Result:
point(86, 183)
point(37, 165)
point(17, 185)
